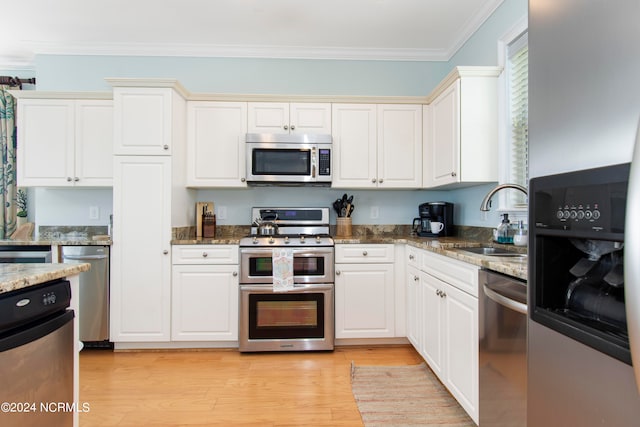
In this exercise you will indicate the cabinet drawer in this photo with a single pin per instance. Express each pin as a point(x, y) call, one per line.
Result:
point(364, 253)
point(414, 256)
point(205, 254)
point(457, 273)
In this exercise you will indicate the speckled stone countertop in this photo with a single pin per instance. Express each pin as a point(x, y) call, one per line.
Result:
point(373, 234)
point(18, 276)
point(65, 236)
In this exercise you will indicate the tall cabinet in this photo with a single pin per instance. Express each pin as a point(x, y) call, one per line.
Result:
point(149, 197)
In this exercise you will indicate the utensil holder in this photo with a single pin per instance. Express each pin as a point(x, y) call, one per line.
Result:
point(343, 227)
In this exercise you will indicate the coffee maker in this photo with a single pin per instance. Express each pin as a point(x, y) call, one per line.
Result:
point(434, 211)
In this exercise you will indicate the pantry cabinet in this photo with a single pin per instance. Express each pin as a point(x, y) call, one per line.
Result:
point(377, 145)
point(284, 117)
point(364, 291)
point(461, 129)
point(216, 144)
point(204, 293)
point(65, 142)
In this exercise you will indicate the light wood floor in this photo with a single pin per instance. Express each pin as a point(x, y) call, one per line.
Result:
point(225, 387)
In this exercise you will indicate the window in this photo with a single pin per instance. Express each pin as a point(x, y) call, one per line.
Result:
point(514, 133)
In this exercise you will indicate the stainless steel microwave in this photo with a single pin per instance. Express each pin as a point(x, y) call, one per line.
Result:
point(288, 159)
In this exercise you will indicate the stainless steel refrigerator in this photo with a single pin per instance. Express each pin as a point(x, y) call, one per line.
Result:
point(584, 95)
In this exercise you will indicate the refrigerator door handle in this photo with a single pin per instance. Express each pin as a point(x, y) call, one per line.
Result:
point(631, 256)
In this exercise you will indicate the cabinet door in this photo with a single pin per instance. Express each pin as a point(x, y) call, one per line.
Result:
point(268, 117)
point(94, 143)
point(143, 121)
point(364, 301)
point(442, 157)
point(414, 307)
point(461, 347)
point(310, 118)
point(45, 153)
point(216, 144)
point(205, 303)
point(433, 349)
point(399, 146)
point(354, 146)
point(141, 260)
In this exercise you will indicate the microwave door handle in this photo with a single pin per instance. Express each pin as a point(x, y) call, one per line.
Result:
point(314, 158)
point(631, 256)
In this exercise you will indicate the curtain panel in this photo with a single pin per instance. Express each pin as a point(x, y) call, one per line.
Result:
point(8, 190)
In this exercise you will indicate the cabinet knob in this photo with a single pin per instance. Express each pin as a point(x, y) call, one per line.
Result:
point(439, 292)
point(443, 294)
point(293, 127)
point(166, 147)
point(373, 180)
point(337, 272)
point(76, 179)
point(235, 273)
point(381, 181)
point(204, 254)
point(165, 252)
point(69, 179)
point(453, 174)
point(416, 278)
point(365, 253)
point(411, 257)
point(286, 127)
point(243, 179)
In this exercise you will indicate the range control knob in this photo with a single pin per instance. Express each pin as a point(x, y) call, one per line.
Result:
point(301, 239)
point(255, 240)
point(318, 239)
point(596, 214)
point(271, 240)
point(286, 240)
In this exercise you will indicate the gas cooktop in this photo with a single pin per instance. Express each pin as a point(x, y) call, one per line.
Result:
point(289, 227)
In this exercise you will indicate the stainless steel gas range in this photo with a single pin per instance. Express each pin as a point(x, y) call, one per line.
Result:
point(302, 317)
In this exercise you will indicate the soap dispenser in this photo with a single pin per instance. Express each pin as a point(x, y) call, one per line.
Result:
point(504, 233)
point(520, 238)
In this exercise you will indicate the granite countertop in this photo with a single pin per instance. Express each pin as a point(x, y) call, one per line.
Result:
point(66, 235)
point(58, 242)
point(18, 276)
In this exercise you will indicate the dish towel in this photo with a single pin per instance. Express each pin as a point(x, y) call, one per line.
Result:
point(282, 259)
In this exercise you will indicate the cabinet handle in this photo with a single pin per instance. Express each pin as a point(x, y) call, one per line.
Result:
point(286, 127)
point(165, 252)
point(204, 254)
point(166, 147)
point(365, 253)
point(293, 127)
point(235, 273)
point(453, 174)
point(337, 272)
point(373, 180)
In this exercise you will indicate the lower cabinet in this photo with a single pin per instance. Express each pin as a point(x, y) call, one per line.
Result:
point(364, 291)
point(204, 293)
point(442, 322)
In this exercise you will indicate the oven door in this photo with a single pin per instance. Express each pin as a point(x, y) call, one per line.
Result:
point(310, 265)
point(300, 319)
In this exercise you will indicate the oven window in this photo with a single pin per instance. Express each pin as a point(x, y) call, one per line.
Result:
point(272, 161)
point(294, 315)
point(302, 266)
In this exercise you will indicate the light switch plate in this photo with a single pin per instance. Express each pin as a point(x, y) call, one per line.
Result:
point(94, 212)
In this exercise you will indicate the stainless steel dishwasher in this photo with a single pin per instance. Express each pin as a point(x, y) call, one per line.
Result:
point(93, 318)
point(503, 350)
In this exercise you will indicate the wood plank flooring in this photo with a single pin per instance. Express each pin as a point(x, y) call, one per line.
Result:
point(225, 387)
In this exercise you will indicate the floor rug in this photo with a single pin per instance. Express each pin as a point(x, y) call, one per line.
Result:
point(404, 396)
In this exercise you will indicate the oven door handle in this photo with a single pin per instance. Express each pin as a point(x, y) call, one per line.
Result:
point(298, 288)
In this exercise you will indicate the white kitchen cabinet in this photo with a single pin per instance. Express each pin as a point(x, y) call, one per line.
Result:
point(377, 145)
point(65, 142)
point(364, 291)
point(284, 117)
point(145, 122)
point(140, 301)
point(216, 144)
point(204, 293)
point(414, 307)
point(461, 129)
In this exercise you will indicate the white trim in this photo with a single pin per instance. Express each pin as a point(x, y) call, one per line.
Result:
point(503, 171)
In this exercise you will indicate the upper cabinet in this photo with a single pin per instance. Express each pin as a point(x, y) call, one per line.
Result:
point(143, 121)
point(64, 142)
point(461, 129)
point(215, 144)
point(284, 117)
point(377, 145)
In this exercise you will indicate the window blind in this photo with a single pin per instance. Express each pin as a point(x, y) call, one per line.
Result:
point(518, 69)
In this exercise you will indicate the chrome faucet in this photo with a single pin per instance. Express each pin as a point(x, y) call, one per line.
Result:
point(485, 202)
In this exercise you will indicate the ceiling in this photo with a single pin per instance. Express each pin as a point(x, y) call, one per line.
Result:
point(412, 30)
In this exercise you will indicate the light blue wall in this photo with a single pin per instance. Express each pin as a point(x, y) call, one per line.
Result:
point(288, 77)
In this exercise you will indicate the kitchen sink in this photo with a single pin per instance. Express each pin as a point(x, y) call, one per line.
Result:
point(490, 251)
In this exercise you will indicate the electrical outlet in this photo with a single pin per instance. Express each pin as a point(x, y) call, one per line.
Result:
point(94, 212)
point(222, 212)
point(374, 212)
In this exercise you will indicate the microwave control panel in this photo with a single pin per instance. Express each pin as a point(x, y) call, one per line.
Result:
point(324, 162)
